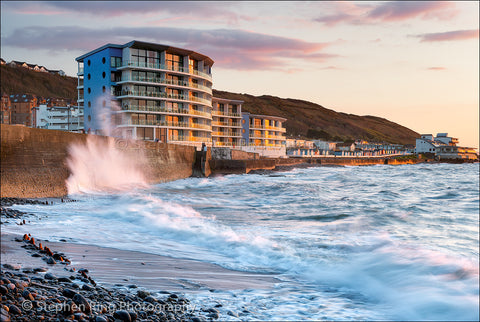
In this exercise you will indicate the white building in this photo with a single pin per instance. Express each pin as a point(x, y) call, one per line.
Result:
point(63, 118)
point(444, 147)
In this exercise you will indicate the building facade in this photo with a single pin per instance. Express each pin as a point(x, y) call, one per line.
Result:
point(227, 122)
point(63, 118)
point(156, 92)
point(444, 147)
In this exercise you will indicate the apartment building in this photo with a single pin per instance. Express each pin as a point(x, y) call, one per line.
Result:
point(264, 134)
point(5, 110)
point(22, 109)
point(63, 118)
point(156, 92)
point(227, 122)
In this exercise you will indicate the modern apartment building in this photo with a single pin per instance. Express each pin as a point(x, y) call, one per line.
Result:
point(150, 91)
point(227, 122)
point(156, 92)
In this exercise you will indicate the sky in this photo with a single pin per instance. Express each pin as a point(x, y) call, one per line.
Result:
point(413, 63)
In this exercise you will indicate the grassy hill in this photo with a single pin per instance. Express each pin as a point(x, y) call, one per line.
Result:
point(19, 80)
point(310, 120)
point(305, 119)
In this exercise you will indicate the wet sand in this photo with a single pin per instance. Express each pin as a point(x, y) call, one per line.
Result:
point(111, 266)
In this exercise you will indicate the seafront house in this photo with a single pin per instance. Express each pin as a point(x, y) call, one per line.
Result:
point(443, 147)
point(63, 118)
point(157, 92)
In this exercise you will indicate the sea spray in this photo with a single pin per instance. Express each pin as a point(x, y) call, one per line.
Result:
point(105, 163)
point(99, 165)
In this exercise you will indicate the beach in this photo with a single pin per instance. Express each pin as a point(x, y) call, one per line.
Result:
point(124, 275)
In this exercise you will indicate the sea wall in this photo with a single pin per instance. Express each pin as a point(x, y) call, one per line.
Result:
point(222, 153)
point(34, 161)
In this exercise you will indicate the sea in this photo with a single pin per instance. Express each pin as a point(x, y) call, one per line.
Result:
point(344, 243)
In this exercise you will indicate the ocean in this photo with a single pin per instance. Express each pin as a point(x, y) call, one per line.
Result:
point(344, 243)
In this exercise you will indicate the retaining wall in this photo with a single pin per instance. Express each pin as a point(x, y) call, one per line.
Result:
point(34, 161)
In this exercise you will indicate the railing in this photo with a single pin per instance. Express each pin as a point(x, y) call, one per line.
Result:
point(159, 80)
point(219, 113)
point(167, 124)
point(163, 95)
point(80, 70)
point(184, 138)
point(129, 63)
point(237, 124)
point(226, 133)
point(271, 128)
point(165, 110)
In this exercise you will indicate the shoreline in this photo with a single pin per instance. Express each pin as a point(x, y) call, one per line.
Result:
point(126, 275)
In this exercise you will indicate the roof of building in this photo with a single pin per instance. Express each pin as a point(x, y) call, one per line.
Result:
point(270, 117)
point(147, 45)
point(227, 100)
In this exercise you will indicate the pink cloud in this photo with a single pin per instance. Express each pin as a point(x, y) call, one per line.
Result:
point(229, 48)
point(436, 68)
point(404, 10)
point(391, 11)
point(450, 35)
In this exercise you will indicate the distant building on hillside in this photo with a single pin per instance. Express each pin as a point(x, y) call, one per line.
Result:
point(2, 61)
point(22, 109)
point(443, 147)
point(5, 110)
point(64, 118)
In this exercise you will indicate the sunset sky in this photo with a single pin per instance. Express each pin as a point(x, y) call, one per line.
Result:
point(414, 63)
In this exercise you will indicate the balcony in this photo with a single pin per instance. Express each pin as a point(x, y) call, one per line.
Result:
point(167, 124)
point(219, 113)
point(227, 133)
point(159, 80)
point(164, 95)
point(184, 138)
point(80, 71)
point(165, 110)
point(129, 63)
point(232, 124)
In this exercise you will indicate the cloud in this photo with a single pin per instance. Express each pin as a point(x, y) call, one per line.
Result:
point(229, 48)
point(436, 68)
point(111, 9)
point(449, 35)
point(392, 11)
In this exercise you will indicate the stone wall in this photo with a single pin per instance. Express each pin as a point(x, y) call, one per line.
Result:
point(34, 161)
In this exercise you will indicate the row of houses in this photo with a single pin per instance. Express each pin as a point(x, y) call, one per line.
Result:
point(298, 147)
point(34, 67)
point(24, 109)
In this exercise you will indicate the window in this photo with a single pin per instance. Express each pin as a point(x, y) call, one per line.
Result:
point(103, 74)
point(89, 90)
point(104, 103)
point(89, 118)
point(103, 89)
point(115, 62)
point(173, 62)
point(88, 62)
point(89, 76)
point(103, 60)
point(89, 104)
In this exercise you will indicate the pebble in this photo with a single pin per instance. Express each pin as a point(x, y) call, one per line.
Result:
point(12, 266)
point(82, 303)
point(142, 294)
point(122, 315)
point(50, 276)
